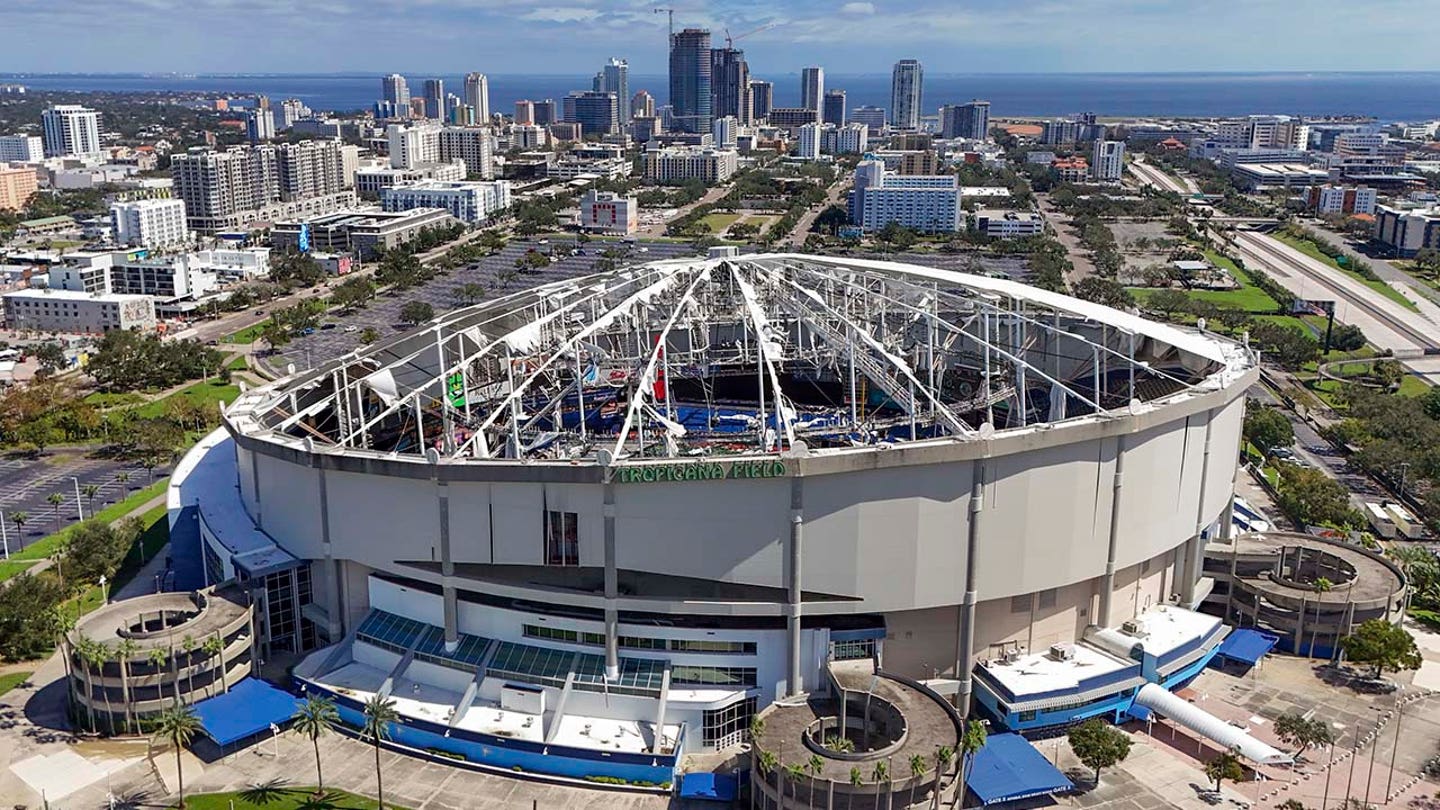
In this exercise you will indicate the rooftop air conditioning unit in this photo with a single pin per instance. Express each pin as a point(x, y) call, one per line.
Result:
point(1133, 628)
point(1062, 652)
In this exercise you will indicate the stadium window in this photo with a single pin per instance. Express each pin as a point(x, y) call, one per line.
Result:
point(1020, 604)
point(562, 538)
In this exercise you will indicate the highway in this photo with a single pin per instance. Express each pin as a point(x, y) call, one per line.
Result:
point(1386, 323)
point(1153, 176)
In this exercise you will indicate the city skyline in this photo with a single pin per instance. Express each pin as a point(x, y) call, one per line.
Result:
point(866, 37)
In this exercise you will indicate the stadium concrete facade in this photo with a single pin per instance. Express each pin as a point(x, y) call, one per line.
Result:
point(627, 512)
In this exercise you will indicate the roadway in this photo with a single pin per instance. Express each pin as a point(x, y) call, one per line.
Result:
point(1151, 176)
point(1386, 323)
point(832, 197)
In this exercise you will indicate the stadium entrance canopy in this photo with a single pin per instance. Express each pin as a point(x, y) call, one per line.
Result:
point(250, 707)
point(1009, 769)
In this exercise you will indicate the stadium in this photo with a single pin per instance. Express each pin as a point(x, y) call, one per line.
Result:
point(586, 528)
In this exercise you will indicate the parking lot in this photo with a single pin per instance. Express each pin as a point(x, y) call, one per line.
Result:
point(25, 484)
point(383, 314)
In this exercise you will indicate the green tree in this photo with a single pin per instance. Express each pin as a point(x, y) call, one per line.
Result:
point(275, 335)
point(1224, 766)
point(50, 357)
point(918, 767)
point(369, 335)
point(90, 491)
point(831, 220)
point(1382, 645)
point(416, 312)
point(1288, 346)
point(97, 548)
point(1168, 302)
point(55, 499)
point(971, 741)
point(897, 236)
point(177, 726)
point(380, 712)
point(1105, 291)
point(353, 293)
point(1099, 745)
point(1295, 729)
point(213, 647)
point(20, 517)
point(28, 605)
point(124, 651)
point(1347, 337)
point(1310, 496)
point(315, 718)
point(1268, 429)
point(469, 294)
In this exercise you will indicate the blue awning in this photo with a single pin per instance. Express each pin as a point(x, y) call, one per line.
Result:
point(1247, 645)
point(711, 787)
point(1009, 768)
point(250, 707)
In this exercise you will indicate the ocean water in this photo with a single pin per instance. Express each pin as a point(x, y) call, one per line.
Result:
point(1387, 96)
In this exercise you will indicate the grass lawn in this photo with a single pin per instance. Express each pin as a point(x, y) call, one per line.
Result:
point(205, 393)
point(1412, 386)
point(14, 679)
point(287, 798)
point(718, 221)
point(1310, 249)
point(249, 334)
point(102, 399)
point(238, 364)
point(40, 549)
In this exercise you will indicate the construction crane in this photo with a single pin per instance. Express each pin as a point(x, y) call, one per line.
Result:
point(670, 13)
point(730, 41)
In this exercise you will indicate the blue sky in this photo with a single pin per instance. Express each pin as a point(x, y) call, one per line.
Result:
point(847, 36)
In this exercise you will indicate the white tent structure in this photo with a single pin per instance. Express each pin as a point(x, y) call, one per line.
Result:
point(1156, 699)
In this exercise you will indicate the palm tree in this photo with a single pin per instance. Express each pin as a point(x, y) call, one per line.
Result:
point(188, 645)
point(794, 772)
point(97, 654)
point(213, 647)
point(943, 755)
point(881, 773)
point(90, 491)
point(177, 726)
point(815, 766)
point(125, 651)
point(917, 770)
point(970, 744)
point(55, 499)
point(123, 478)
point(379, 714)
point(856, 781)
point(156, 657)
point(82, 649)
point(62, 623)
point(315, 718)
point(769, 764)
point(20, 517)
point(1320, 586)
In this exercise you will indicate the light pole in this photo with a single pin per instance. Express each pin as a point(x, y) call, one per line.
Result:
point(1329, 767)
point(1395, 750)
point(79, 507)
point(1375, 743)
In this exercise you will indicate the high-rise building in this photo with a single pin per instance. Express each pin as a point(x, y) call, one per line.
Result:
point(906, 83)
point(812, 87)
point(71, 129)
point(615, 78)
point(22, 148)
point(762, 99)
point(642, 105)
point(730, 84)
point(597, 113)
point(1107, 159)
point(545, 113)
point(291, 110)
point(259, 125)
point(922, 203)
point(435, 99)
point(395, 90)
point(809, 142)
point(477, 96)
point(229, 189)
point(413, 145)
point(690, 95)
point(834, 108)
point(471, 145)
point(970, 121)
point(872, 117)
point(726, 131)
point(156, 223)
point(17, 185)
point(524, 112)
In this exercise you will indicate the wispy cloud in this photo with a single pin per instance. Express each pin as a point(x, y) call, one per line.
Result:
point(566, 14)
point(858, 8)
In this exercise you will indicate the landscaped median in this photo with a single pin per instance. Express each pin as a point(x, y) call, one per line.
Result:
point(286, 798)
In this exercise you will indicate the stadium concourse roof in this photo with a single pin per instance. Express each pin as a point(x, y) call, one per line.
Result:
point(736, 354)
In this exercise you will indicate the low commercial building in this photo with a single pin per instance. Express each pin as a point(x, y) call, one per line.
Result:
point(17, 185)
point(1406, 230)
point(155, 223)
point(570, 167)
point(1008, 224)
point(361, 233)
point(78, 312)
point(1072, 169)
point(467, 201)
point(673, 164)
point(1259, 176)
point(22, 148)
point(607, 212)
point(370, 181)
point(922, 203)
point(1331, 199)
